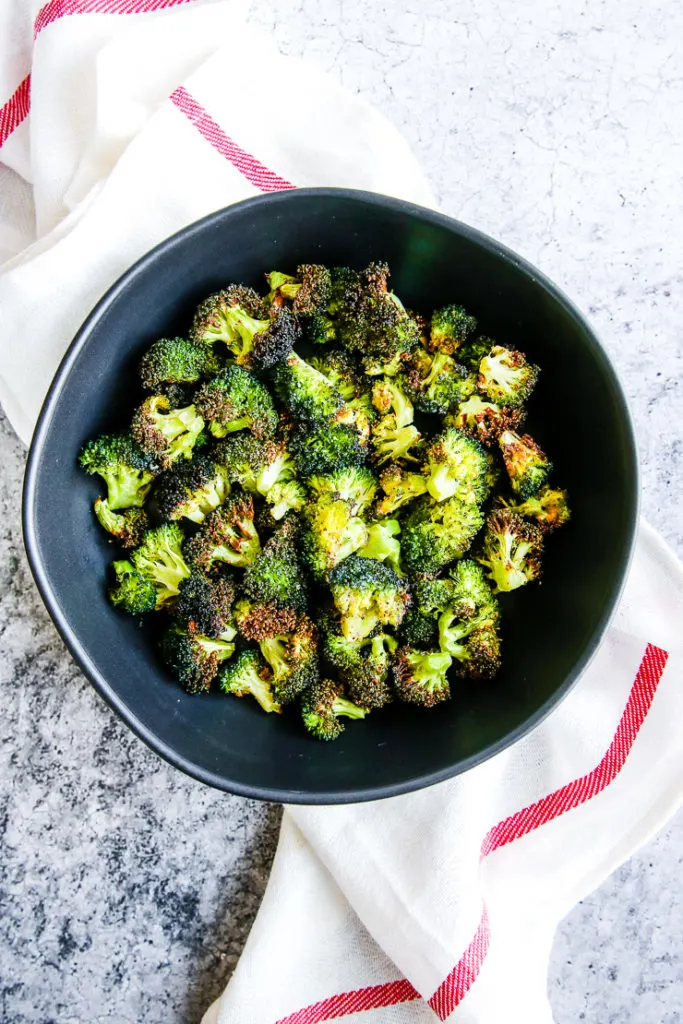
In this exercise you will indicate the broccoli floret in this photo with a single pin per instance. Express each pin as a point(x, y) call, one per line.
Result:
point(227, 535)
point(484, 420)
point(233, 316)
point(528, 467)
point(470, 591)
point(549, 508)
point(506, 378)
point(454, 630)
point(371, 320)
point(437, 385)
point(280, 286)
point(133, 592)
point(236, 400)
point(160, 561)
point(400, 487)
point(472, 352)
point(355, 416)
point(449, 329)
point(305, 392)
point(128, 526)
point(195, 659)
point(363, 667)
point(341, 370)
point(420, 677)
point(332, 533)
point(356, 485)
point(419, 630)
point(318, 329)
point(367, 593)
point(512, 550)
point(433, 596)
point(247, 673)
point(265, 468)
point(457, 468)
point(321, 707)
point(435, 533)
point(205, 604)
point(374, 367)
point(388, 396)
point(293, 659)
point(309, 291)
point(394, 436)
point(275, 575)
point(325, 450)
point(165, 433)
point(126, 469)
point(382, 543)
point(175, 361)
point(259, 620)
point(192, 489)
point(483, 654)
point(273, 344)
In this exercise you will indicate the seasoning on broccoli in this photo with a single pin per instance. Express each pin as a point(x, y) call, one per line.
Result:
point(506, 378)
point(227, 535)
point(332, 533)
point(191, 490)
point(248, 675)
point(435, 533)
point(420, 677)
point(511, 551)
point(548, 507)
point(127, 526)
point(165, 433)
point(438, 384)
point(528, 467)
point(127, 470)
point(354, 484)
point(236, 400)
point(456, 468)
point(367, 593)
point(400, 486)
point(484, 420)
point(206, 602)
point(232, 317)
point(450, 328)
point(323, 705)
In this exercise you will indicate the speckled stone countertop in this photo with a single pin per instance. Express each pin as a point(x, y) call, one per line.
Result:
point(127, 890)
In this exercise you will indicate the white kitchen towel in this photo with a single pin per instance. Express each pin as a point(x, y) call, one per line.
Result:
point(439, 903)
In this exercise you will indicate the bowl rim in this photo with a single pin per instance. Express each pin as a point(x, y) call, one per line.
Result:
point(80, 653)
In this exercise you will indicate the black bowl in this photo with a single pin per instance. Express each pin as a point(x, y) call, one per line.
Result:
point(551, 631)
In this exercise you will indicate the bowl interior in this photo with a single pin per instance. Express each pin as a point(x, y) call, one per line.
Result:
point(550, 631)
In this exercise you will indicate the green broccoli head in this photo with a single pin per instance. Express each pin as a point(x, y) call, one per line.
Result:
point(454, 629)
point(227, 535)
point(127, 470)
point(506, 378)
point(325, 450)
point(483, 654)
point(484, 420)
point(367, 593)
point(191, 490)
point(354, 484)
point(275, 575)
point(457, 467)
point(175, 361)
point(128, 526)
point(309, 290)
point(293, 659)
point(236, 400)
point(473, 351)
point(247, 674)
point(470, 590)
point(400, 487)
point(436, 533)
point(166, 434)
point(362, 666)
point(383, 543)
point(274, 343)
point(306, 393)
point(549, 508)
point(527, 465)
point(323, 705)
point(450, 328)
point(419, 630)
point(195, 659)
point(511, 550)
point(421, 677)
point(370, 319)
point(392, 443)
point(341, 370)
point(205, 603)
point(433, 595)
point(438, 384)
point(232, 317)
point(133, 593)
point(159, 560)
point(331, 533)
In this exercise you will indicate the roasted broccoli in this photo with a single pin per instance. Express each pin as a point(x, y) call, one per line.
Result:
point(274, 343)
point(473, 351)
point(236, 400)
point(362, 666)
point(195, 659)
point(383, 543)
point(372, 321)
point(355, 485)
point(341, 370)
point(247, 673)
point(400, 486)
point(367, 593)
point(436, 533)
point(506, 378)
point(205, 603)
point(159, 560)
point(133, 593)
point(394, 436)
point(469, 589)
point(305, 392)
point(456, 467)
point(331, 533)
point(450, 328)
point(322, 706)
point(511, 550)
point(275, 575)
point(484, 420)
point(325, 450)
point(293, 659)
point(234, 317)
point(191, 490)
point(126, 469)
point(420, 677)
point(309, 291)
point(127, 526)
point(175, 361)
point(438, 384)
point(419, 629)
point(165, 433)
point(548, 507)
point(528, 467)
point(227, 535)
